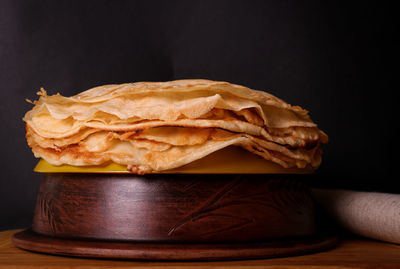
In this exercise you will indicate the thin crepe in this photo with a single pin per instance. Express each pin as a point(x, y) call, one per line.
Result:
point(144, 155)
point(154, 126)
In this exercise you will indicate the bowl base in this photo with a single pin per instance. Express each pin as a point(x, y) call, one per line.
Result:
point(32, 241)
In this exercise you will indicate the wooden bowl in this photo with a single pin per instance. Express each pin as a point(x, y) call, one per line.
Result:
point(173, 216)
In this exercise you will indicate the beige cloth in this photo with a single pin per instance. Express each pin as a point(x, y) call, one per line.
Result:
point(370, 214)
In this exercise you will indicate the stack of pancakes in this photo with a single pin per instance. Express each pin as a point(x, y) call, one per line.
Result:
point(157, 126)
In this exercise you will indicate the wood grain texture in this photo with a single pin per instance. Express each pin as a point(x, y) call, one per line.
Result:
point(351, 253)
point(174, 208)
point(32, 241)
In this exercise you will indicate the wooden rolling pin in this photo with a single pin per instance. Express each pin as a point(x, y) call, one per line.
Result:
point(370, 214)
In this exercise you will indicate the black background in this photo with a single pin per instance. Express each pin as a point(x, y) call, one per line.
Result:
point(332, 59)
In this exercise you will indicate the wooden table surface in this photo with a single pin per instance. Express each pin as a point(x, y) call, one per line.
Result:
point(351, 253)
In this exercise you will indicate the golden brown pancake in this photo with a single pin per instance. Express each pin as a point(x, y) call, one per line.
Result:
point(157, 126)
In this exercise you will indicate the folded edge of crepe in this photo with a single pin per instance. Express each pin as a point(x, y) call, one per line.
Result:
point(230, 160)
point(161, 126)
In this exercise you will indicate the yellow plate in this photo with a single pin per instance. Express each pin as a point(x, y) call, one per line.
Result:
point(231, 160)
